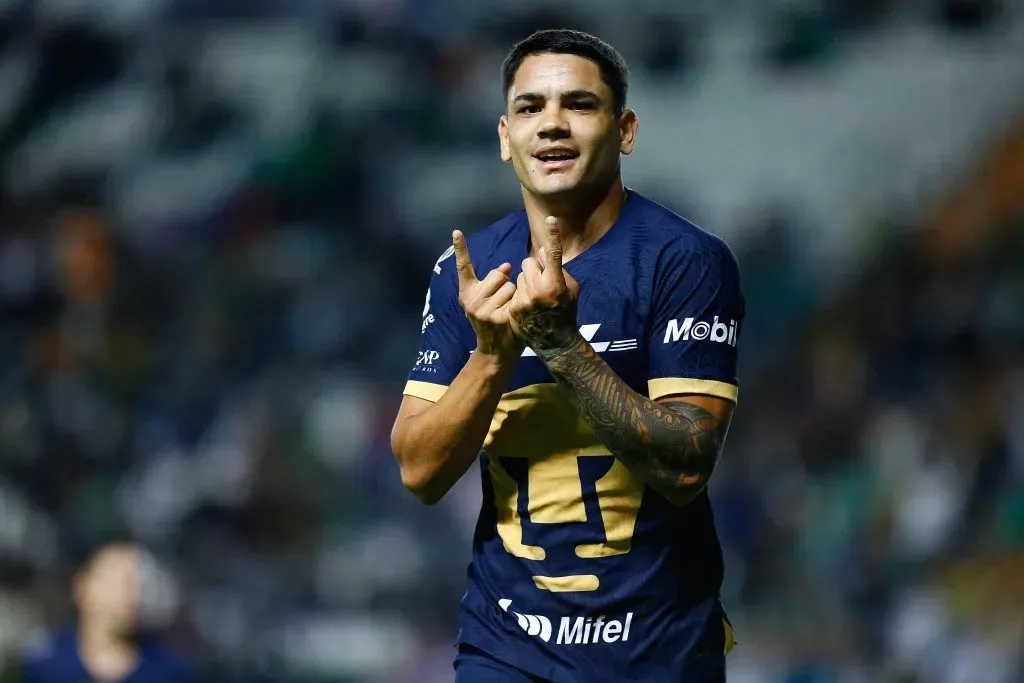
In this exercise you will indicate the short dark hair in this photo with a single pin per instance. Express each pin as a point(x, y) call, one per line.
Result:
point(565, 41)
point(83, 555)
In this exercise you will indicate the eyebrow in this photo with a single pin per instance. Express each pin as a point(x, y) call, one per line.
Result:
point(579, 94)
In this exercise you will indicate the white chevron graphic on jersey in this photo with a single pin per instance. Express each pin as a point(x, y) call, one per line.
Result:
point(588, 332)
point(533, 624)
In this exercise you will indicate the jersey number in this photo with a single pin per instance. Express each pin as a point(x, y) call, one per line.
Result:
point(554, 491)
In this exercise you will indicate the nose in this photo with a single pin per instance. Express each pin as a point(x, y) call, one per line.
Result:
point(554, 125)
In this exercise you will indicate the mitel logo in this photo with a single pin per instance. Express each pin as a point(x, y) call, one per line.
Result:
point(588, 332)
point(573, 630)
point(690, 328)
point(427, 357)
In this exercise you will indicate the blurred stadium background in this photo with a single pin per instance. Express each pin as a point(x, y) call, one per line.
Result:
point(218, 219)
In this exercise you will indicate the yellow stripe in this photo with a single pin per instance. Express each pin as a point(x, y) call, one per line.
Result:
point(730, 636)
point(428, 391)
point(667, 386)
point(567, 584)
point(656, 388)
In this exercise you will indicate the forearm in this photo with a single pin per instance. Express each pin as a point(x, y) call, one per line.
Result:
point(435, 447)
point(672, 449)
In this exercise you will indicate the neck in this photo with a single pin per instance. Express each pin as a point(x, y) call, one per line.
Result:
point(584, 219)
point(104, 653)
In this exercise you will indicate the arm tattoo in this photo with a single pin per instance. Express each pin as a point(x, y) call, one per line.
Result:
point(672, 449)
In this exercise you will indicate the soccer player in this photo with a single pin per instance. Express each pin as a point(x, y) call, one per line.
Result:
point(107, 644)
point(591, 367)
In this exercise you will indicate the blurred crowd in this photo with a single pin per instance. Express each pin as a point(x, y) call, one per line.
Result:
point(872, 511)
point(210, 287)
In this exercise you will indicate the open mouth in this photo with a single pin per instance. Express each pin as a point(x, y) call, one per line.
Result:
point(555, 159)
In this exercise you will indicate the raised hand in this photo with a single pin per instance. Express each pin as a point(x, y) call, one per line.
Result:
point(486, 303)
point(543, 309)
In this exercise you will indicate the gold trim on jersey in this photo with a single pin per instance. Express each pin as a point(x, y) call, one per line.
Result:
point(428, 391)
point(667, 386)
point(567, 584)
point(656, 388)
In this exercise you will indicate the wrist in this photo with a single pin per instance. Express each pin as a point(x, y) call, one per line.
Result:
point(496, 361)
point(558, 344)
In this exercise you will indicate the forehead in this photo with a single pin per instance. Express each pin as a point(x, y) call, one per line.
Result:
point(549, 74)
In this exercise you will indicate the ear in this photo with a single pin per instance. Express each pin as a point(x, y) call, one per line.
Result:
point(628, 123)
point(506, 151)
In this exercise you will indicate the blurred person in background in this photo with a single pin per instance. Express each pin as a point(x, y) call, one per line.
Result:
point(109, 643)
point(599, 376)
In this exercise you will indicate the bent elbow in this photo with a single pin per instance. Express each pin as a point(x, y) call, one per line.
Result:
point(682, 498)
point(421, 485)
point(684, 495)
point(422, 482)
point(428, 497)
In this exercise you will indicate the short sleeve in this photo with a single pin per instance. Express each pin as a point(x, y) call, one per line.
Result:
point(698, 311)
point(443, 350)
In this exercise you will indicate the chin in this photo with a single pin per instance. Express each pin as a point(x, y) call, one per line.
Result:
point(558, 188)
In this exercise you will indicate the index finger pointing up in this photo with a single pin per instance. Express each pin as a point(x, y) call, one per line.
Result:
point(463, 263)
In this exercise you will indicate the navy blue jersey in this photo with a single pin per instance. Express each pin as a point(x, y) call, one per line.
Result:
point(580, 572)
point(54, 659)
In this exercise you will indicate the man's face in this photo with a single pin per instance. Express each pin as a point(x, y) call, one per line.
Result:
point(109, 590)
point(561, 132)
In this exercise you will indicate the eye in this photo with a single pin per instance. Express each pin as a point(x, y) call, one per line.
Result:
point(529, 109)
point(581, 106)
